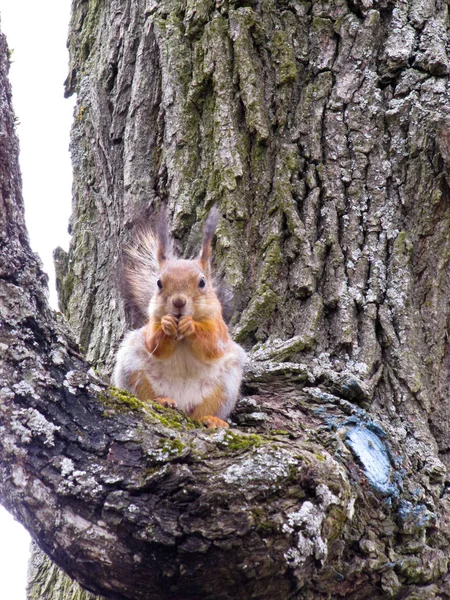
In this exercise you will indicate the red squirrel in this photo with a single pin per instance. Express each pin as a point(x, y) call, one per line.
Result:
point(184, 355)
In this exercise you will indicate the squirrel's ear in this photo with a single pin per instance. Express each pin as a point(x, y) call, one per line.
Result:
point(208, 231)
point(164, 251)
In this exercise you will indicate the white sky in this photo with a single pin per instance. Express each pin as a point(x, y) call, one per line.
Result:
point(37, 32)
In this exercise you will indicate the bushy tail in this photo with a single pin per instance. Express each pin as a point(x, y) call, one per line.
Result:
point(139, 275)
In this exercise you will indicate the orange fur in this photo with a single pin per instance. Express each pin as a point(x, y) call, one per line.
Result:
point(144, 391)
point(212, 422)
point(166, 402)
point(180, 280)
point(141, 386)
point(209, 340)
point(210, 405)
point(157, 342)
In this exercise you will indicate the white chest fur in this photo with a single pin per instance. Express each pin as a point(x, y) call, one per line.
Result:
point(185, 378)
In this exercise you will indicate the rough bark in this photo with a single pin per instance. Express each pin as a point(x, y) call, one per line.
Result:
point(321, 129)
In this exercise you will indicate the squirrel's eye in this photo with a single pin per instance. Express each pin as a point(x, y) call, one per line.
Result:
point(159, 284)
point(202, 283)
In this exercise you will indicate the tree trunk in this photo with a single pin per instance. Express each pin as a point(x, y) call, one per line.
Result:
point(322, 130)
point(48, 582)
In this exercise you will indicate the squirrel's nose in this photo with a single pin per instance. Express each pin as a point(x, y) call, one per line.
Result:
point(179, 301)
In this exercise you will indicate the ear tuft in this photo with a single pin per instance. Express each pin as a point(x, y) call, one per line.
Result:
point(165, 246)
point(209, 229)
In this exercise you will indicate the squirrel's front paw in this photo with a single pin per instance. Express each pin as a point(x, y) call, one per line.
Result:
point(169, 325)
point(186, 326)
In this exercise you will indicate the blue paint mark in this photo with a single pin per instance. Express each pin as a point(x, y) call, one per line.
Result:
point(373, 455)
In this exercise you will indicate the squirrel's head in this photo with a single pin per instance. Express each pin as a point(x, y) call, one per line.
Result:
point(184, 287)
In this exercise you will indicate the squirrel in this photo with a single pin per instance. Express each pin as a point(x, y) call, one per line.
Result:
point(183, 356)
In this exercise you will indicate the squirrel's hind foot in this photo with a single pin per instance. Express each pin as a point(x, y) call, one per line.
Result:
point(213, 422)
point(166, 402)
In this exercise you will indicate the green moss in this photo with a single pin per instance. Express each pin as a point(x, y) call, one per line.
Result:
point(122, 402)
point(284, 58)
point(436, 196)
point(229, 252)
point(262, 524)
point(172, 446)
point(412, 569)
point(171, 418)
point(225, 164)
point(236, 442)
point(402, 244)
point(319, 24)
point(188, 85)
point(338, 24)
point(249, 72)
point(46, 580)
point(259, 310)
point(335, 522)
point(197, 13)
point(90, 28)
point(273, 257)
